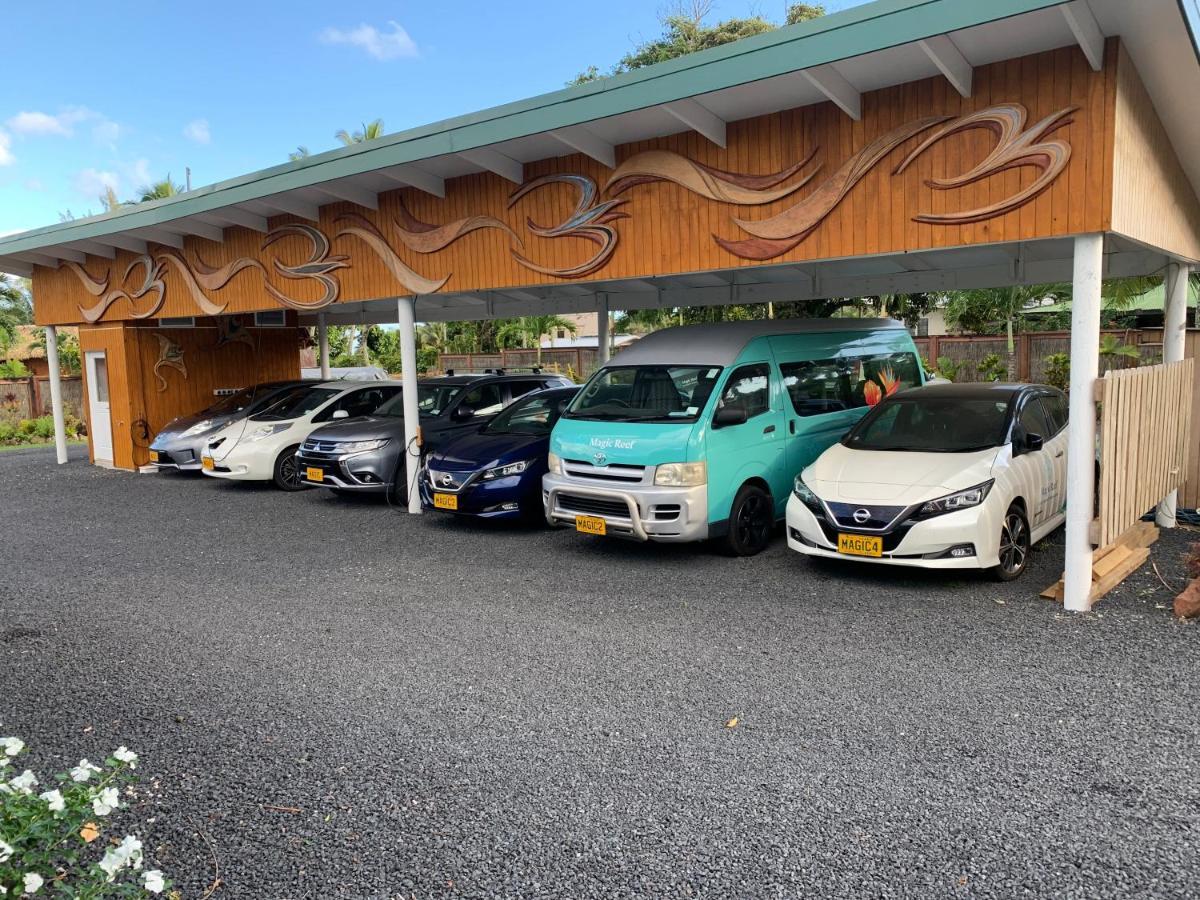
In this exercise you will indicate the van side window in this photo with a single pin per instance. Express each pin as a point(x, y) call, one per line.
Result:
point(748, 388)
point(848, 382)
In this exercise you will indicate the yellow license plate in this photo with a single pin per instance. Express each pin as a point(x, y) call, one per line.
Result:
point(312, 473)
point(206, 463)
point(153, 456)
point(445, 501)
point(860, 545)
point(591, 525)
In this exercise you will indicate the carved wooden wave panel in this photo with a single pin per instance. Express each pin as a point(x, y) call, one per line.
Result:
point(593, 219)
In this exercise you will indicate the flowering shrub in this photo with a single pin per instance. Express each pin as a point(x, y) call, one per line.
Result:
point(50, 834)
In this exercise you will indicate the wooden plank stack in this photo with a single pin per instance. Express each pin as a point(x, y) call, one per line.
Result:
point(1114, 563)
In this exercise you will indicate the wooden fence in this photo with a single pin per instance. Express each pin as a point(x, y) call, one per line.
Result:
point(1032, 350)
point(1145, 428)
point(29, 398)
point(579, 362)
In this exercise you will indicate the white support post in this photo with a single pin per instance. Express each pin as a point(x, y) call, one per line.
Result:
point(1174, 329)
point(56, 401)
point(408, 377)
point(603, 344)
point(1081, 429)
point(323, 344)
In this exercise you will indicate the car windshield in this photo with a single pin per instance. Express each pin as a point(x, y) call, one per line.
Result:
point(931, 425)
point(645, 394)
point(535, 414)
point(297, 403)
point(432, 399)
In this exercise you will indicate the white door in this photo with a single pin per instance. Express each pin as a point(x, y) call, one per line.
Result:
point(101, 426)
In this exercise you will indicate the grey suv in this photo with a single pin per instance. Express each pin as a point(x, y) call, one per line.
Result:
point(365, 454)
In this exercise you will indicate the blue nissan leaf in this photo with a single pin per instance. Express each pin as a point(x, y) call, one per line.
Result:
point(496, 471)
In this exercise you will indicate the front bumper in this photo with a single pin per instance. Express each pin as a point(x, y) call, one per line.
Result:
point(500, 498)
point(176, 457)
point(924, 544)
point(639, 511)
point(367, 472)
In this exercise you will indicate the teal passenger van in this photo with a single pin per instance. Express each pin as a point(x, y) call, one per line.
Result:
point(698, 432)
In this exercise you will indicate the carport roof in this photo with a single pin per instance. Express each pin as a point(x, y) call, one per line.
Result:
point(833, 58)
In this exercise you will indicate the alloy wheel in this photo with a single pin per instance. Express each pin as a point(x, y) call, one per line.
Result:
point(289, 471)
point(1014, 543)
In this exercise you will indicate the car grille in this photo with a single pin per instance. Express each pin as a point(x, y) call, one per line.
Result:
point(573, 503)
point(581, 468)
point(448, 481)
point(319, 446)
point(878, 517)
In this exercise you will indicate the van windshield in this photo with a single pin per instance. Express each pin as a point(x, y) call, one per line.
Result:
point(645, 394)
point(929, 425)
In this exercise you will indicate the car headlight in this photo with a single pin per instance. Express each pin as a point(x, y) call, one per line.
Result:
point(202, 427)
point(361, 446)
point(804, 494)
point(681, 474)
point(265, 431)
point(972, 496)
point(554, 464)
point(506, 470)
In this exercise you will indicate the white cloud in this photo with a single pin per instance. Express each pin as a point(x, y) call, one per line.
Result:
point(139, 173)
point(39, 124)
point(197, 130)
point(6, 157)
point(91, 183)
point(106, 133)
point(385, 44)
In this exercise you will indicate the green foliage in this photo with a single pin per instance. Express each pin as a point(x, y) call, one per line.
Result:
point(685, 31)
point(1057, 371)
point(16, 308)
point(58, 834)
point(992, 368)
point(992, 310)
point(13, 368)
point(159, 190)
point(949, 368)
point(300, 152)
point(369, 132)
point(1112, 349)
point(15, 430)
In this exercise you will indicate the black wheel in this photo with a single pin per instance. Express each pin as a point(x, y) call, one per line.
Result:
point(287, 471)
point(1014, 545)
point(751, 521)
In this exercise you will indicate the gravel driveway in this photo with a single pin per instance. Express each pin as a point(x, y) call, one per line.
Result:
point(349, 702)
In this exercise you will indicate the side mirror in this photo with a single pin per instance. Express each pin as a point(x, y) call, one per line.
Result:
point(462, 413)
point(340, 414)
point(1033, 442)
point(730, 415)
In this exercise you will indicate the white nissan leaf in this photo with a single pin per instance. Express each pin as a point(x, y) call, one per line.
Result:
point(945, 476)
point(263, 447)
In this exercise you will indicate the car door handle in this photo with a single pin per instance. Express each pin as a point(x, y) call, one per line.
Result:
point(770, 429)
point(792, 426)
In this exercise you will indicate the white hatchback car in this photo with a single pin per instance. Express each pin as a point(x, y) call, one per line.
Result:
point(263, 447)
point(946, 476)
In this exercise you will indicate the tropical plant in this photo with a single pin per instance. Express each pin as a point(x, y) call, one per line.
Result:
point(300, 152)
point(1113, 350)
point(948, 368)
point(52, 838)
point(527, 331)
point(684, 32)
point(992, 368)
point(1057, 370)
point(13, 368)
point(370, 131)
point(159, 190)
point(109, 201)
point(68, 350)
point(992, 310)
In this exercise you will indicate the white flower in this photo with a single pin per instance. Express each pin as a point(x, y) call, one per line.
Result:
point(54, 800)
point(83, 771)
point(6, 851)
point(125, 755)
point(33, 882)
point(24, 782)
point(132, 848)
point(12, 745)
point(127, 853)
point(106, 801)
point(153, 881)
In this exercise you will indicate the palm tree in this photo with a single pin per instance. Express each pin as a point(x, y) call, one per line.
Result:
point(160, 190)
point(109, 201)
point(981, 310)
point(16, 309)
point(300, 152)
point(370, 131)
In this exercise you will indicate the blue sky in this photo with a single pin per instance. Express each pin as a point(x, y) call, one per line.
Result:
point(126, 91)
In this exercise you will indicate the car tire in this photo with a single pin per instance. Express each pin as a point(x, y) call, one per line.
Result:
point(397, 492)
point(1014, 545)
point(751, 522)
point(287, 471)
